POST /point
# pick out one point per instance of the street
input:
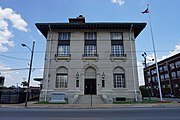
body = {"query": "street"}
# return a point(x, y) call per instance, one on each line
point(90, 114)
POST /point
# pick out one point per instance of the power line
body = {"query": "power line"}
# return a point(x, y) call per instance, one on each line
point(14, 57)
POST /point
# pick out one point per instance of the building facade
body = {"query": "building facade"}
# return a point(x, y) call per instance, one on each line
point(90, 58)
point(169, 72)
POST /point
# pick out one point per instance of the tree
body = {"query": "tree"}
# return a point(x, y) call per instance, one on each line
point(144, 91)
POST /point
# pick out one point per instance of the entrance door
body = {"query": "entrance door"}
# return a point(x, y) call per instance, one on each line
point(90, 87)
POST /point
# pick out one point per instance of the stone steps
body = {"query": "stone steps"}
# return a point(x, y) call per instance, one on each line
point(86, 99)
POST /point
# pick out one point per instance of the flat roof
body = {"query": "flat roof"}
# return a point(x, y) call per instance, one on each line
point(136, 27)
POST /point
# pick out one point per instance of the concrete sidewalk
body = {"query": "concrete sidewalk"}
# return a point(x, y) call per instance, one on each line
point(78, 106)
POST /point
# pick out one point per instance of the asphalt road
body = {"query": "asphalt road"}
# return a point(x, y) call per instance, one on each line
point(91, 114)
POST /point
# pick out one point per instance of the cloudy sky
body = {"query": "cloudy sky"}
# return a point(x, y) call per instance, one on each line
point(18, 18)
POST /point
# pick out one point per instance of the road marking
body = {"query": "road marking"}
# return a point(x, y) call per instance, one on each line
point(74, 119)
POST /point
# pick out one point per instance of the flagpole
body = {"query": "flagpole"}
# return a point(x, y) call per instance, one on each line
point(157, 69)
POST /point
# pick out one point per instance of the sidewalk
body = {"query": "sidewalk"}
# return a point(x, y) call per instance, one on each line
point(79, 106)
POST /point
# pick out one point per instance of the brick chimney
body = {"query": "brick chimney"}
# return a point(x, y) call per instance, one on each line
point(79, 19)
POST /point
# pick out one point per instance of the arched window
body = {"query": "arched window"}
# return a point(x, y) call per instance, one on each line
point(119, 77)
point(61, 77)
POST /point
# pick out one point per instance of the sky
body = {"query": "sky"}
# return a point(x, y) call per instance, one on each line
point(18, 18)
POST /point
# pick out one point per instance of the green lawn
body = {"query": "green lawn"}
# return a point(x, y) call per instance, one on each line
point(43, 102)
point(141, 102)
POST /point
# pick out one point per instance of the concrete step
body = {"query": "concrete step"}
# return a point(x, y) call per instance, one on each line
point(86, 99)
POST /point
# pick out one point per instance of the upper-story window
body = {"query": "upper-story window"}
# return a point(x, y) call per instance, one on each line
point(177, 64)
point(178, 73)
point(171, 65)
point(116, 36)
point(166, 76)
point(64, 44)
point(64, 36)
point(165, 68)
point(153, 71)
point(117, 48)
point(173, 75)
point(160, 68)
point(90, 36)
point(90, 47)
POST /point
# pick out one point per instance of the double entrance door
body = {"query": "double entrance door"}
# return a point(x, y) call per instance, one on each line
point(90, 87)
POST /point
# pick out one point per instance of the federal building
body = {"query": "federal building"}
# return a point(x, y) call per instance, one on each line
point(90, 58)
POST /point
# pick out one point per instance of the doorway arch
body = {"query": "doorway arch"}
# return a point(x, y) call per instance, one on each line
point(90, 86)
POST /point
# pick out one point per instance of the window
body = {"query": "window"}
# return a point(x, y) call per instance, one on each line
point(165, 68)
point(119, 81)
point(61, 77)
point(116, 36)
point(64, 44)
point(166, 76)
point(148, 73)
point(64, 36)
point(117, 48)
point(61, 81)
point(90, 48)
point(171, 65)
point(161, 69)
point(63, 50)
point(173, 75)
point(77, 83)
point(162, 77)
point(178, 74)
point(177, 64)
point(149, 80)
point(119, 78)
point(153, 71)
point(103, 83)
point(90, 36)
point(176, 85)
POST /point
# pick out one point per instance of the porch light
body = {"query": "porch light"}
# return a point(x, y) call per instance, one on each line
point(103, 76)
point(77, 76)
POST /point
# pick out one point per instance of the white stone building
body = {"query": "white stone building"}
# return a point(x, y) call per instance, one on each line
point(90, 58)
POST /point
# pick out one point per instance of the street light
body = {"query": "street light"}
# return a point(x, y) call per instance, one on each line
point(30, 67)
point(144, 56)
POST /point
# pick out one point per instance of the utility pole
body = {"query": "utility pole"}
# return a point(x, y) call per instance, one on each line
point(30, 68)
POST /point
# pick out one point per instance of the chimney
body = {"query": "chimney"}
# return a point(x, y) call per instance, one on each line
point(79, 19)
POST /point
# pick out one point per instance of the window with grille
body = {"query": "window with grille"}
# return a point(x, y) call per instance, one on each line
point(119, 81)
point(64, 36)
point(90, 50)
point(64, 44)
point(90, 36)
point(63, 50)
point(61, 81)
point(90, 47)
point(117, 48)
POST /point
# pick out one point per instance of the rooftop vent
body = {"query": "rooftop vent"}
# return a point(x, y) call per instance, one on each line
point(79, 19)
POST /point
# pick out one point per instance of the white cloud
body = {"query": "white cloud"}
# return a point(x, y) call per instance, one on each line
point(120, 2)
point(6, 15)
point(171, 53)
point(4, 72)
point(140, 73)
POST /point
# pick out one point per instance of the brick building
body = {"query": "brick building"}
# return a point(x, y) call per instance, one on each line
point(169, 72)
